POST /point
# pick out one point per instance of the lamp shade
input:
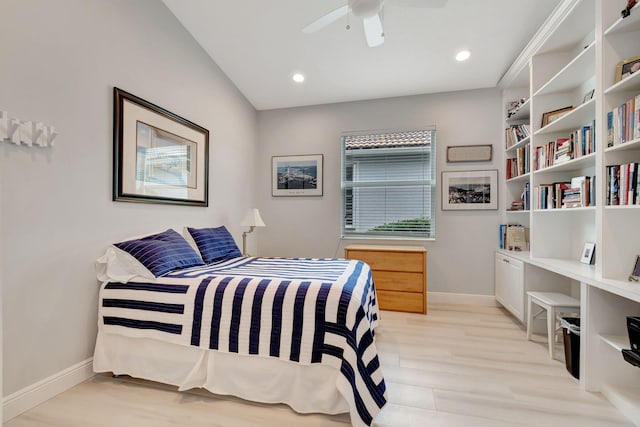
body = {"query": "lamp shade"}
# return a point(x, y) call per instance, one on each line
point(252, 219)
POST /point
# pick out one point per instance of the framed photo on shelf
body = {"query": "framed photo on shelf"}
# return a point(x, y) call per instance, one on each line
point(635, 274)
point(158, 156)
point(588, 253)
point(470, 190)
point(627, 67)
point(296, 175)
point(551, 116)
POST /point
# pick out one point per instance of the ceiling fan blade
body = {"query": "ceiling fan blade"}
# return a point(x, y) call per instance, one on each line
point(418, 3)
point(327, 19)
point(373, 30)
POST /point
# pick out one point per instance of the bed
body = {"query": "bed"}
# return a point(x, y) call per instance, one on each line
point(273, 330)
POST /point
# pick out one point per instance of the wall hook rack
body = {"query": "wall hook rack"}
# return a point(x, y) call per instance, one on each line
point(26, 132)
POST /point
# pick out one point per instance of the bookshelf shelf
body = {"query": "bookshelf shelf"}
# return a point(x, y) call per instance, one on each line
point(570, 165)
point(518, 211)
point(583, 209)
point(622, 207)
point(519, 144)
point(519, 178)
point(522, 114)
point(631, 83)
point(578, 117)
point(618, 342)
point(630, 23)
point(580, 69)
point(631, 145)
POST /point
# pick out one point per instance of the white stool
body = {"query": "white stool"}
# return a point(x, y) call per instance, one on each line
point(553, 303)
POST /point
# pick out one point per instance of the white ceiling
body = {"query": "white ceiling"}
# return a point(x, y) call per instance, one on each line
point(259, 45)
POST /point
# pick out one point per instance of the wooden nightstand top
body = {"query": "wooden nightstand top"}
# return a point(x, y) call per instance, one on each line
point(398, 248)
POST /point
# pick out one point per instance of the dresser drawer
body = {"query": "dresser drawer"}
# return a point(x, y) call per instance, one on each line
point(398, 281)
point(390, 261)
point(401, 301)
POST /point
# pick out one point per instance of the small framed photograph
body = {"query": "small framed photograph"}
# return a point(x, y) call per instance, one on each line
point(551, 116)
point(588, 96)
point(472, 190)
point(627, 67)
point(635, 274)
point(158, 156)
point(296, 175)
point(588, 253)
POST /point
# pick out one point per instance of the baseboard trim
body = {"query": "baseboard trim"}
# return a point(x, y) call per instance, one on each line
point(33, 395)
point(461, 299)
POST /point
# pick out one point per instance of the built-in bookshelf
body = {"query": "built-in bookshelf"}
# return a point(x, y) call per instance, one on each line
point(583, 148)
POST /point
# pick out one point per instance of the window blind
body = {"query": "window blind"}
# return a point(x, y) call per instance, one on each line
point(388, 184)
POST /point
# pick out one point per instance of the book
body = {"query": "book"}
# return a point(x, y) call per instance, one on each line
point(636, 115)
point(516, 239)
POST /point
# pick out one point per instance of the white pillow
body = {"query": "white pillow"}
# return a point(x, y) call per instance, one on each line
point(117, 265)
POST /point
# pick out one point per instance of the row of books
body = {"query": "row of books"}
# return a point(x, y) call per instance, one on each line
point(623, 184)
point(623, 122)
point(577, 193)
point(516, 133)
point(579, 143)
point(518, 165)
point(514, 237)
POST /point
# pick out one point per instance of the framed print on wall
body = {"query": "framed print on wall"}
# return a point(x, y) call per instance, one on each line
point(158, 156)
point(296, 175)
point(470, 190)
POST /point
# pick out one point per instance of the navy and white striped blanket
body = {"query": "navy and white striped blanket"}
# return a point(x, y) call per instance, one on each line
point(301, 310)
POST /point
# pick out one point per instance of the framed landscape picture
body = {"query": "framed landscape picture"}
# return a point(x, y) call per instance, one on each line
point(296, 175)
point(470, 190)
point(158, 157)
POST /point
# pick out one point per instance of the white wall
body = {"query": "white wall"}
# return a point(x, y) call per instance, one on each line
point(460, 260)
point(60, 61)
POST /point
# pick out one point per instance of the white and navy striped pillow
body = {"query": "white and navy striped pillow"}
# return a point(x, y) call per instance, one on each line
point(161, 253)
point(214, 244)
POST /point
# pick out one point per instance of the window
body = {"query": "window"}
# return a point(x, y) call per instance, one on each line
point(388, 184)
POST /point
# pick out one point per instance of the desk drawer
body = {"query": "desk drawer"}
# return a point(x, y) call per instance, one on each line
point(390, 261)
point(398, 281)
point(401, 301)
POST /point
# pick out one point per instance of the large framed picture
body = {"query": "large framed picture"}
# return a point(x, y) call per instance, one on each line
point(297, 175)
point(627, 67)
point(470, 190)
point(158, 156)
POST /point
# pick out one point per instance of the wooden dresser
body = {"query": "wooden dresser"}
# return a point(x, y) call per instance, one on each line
point(399, 273)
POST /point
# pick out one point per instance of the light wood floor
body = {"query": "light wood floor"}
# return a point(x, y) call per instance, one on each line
point(461, 366)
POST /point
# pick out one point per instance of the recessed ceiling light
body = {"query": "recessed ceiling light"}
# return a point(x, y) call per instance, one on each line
point(463, 55)
point(298, 78)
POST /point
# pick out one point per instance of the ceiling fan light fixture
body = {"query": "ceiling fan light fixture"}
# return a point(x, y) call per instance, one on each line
point(298, 77)
point(463, 55)
point(365, 8)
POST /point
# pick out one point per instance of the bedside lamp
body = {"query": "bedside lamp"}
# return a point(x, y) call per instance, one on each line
point(252, 220)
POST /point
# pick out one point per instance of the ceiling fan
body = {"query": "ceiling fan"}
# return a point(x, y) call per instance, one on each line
point(369, 11)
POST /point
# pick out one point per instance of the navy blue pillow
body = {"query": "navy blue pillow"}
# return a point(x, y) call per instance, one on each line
point(214, 244)
point(162, 253)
